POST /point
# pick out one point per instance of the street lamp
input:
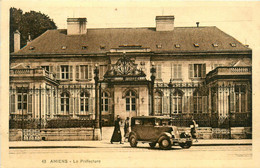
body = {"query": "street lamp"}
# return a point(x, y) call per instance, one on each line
point(170, 86)
point(97, 134)
point(153, 71)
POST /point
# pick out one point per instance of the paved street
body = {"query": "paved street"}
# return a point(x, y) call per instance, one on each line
point(92, 153)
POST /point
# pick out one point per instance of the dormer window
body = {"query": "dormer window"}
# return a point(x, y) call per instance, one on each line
point(84, 47)
point(233, 44)
point(102, 47)
point(63, 47)
point(31, 48)
point(177, 45)
point(215, 45)
point(159, 46)
point(196, 44)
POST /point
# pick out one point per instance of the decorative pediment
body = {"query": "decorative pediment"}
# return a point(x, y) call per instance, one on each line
point(124, 68)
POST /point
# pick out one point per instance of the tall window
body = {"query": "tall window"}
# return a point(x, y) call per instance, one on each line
point(22, 99)
point(64, 72)
point(65, 103)
point(176, 72)
point(240, 98)
point(84, 102)
point(158, 103)
point(197, 102)
point(130, 101)
point(177, 101)
point(102, 71)
point(158, 74)
point(197, 70)
point(84, 72)
point(104, 102)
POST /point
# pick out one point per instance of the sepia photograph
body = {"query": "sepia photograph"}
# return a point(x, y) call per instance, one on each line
point(129, 83)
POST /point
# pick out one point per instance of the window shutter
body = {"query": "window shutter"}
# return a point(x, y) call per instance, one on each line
point(179, 71)
point(30, 103)
point(175, 71)
point(58, 72)
point(159, 71)
point(190, 70)
point(90, 105)
point(192, 104)
point(71, 72)
point(204, 104)
point(71, 105)
point(77, 72)
point(165, 100)
point(232, 102)
point(203, 70)
point(77, 104)
point(59, 104)
point(12, 103)
point(110, 106)
point(51, 69)
point(90, 72)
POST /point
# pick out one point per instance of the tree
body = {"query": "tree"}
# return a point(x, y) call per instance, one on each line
point(29, 23)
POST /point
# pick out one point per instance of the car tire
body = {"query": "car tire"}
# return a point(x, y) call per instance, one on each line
point(152, 144)
point(186, 145)
point(165, 143)
point(133, 140)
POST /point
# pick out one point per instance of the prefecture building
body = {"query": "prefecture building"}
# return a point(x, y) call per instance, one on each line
point(185, 72)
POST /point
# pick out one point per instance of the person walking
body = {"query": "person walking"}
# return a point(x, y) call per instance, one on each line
point(193, 131)
point(116, 137)
point(126, 129)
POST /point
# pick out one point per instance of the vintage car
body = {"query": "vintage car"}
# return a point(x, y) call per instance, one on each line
point(157, 129)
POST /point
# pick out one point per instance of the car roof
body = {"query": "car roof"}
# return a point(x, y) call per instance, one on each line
point(152, 117)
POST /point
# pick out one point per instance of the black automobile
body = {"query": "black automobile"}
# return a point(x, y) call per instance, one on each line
point(157, 129)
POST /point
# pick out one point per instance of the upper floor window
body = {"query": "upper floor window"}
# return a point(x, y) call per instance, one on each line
point(65, 72)
point(176, 71)
point(102, 71)
point(197, 70)
point(84, 72)
point(158, 74)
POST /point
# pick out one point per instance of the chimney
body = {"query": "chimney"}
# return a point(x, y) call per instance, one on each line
point(76, 26)
point(164, 23)
point(17, 40)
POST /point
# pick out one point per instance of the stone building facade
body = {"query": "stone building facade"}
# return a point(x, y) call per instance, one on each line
point(201, 72)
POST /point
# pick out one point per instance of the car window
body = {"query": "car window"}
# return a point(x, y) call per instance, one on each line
point(138, 122)
point(148, 122)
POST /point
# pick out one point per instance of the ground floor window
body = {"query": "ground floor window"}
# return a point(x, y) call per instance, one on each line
point(104, 102)
point(130, 101)
point(197, 102)
point(177, 101)
point(65, 103)
point(158, 103)
point(84, 102)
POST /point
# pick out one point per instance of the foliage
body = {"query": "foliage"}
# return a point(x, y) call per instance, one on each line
point(29, 23)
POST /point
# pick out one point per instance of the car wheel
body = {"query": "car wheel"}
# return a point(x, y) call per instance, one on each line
point(164, 142)
point(186, 145)
point(133, 141)
point(152, 145)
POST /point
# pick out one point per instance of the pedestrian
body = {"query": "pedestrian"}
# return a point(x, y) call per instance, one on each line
point(126, 129)
point(116, 137)
point(193, 131)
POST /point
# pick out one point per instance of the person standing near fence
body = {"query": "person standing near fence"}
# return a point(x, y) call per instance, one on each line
point(116, 137)
point(193, 130)
point(126, 129)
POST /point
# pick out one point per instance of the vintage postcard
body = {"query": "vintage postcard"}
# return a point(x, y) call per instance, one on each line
point(129, 83)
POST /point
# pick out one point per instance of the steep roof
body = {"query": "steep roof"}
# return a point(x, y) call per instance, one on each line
point(52, 41)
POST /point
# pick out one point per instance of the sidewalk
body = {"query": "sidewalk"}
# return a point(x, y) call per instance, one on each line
point(107, 144)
